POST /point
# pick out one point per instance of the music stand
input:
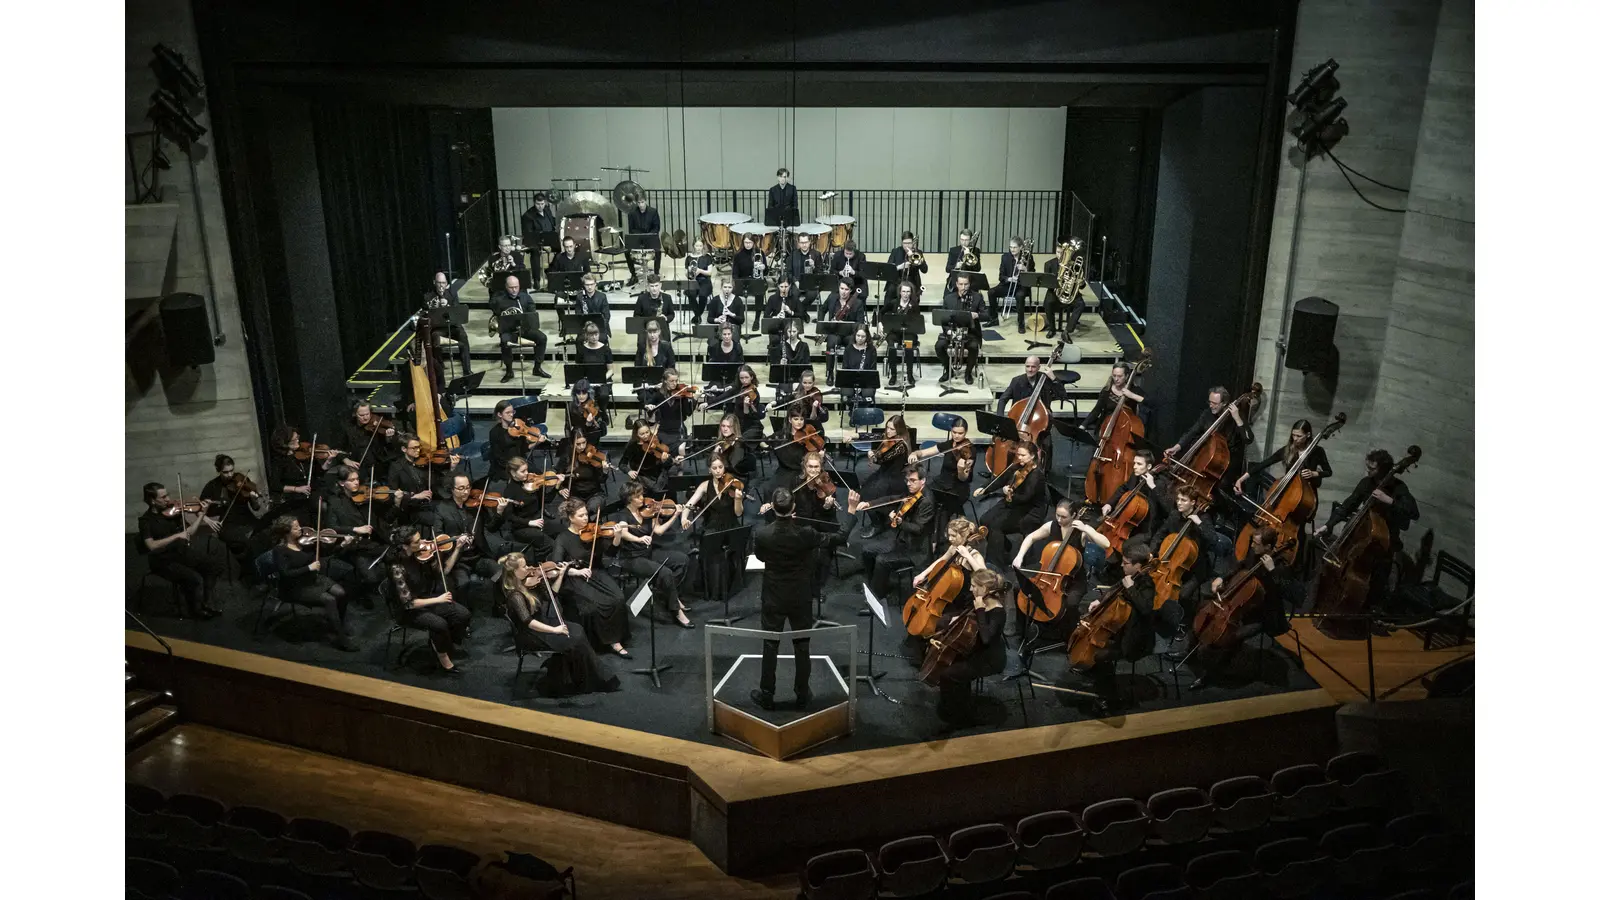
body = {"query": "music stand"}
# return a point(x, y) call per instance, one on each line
point(875, 614)
point(724, 542)
point(497, 281)
point(594, 372)
point(878, 272)
point(1026, 281)
point(641, 375)
point(641, 601)
point(564, 282)
point(789, 374)
point(442, 318)
point(977, 281)
point(638, 325)
point(859, 379)
point(719, 372)
point(750, 287)
point(962, 320)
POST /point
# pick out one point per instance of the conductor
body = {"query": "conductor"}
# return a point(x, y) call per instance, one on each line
point(788, 549)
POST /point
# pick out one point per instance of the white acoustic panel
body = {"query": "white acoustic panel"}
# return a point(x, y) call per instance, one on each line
point(750, 152)
point(1036, 145)
point(577, 143)
point(921, 147)
point(814, 165)
point(863, 150)
point(978, 142)
point(636, 136)
point(702, 141)
point(522, 147)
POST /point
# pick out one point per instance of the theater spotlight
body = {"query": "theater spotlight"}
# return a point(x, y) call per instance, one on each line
point(1321, 130)
point(173, 121)
point(174, 74)
point(1317, 87)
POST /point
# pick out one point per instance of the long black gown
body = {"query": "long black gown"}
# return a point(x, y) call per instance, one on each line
point(576, 669)
point(597, 600)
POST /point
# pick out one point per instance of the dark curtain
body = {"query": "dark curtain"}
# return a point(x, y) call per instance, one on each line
point(377, 194)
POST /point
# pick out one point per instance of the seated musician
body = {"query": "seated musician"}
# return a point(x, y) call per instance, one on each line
point(1055, 305)
point(860, 356)
point(531, 604)
point(569, 259)
point(785, 349)
point(791, 350)
point(1114, 389)
point(517, 320)
point(847, 265)
point(988, 657)
point(960, 534)
point(845, 304)
point(902, 344)
point(443, 296)
point(888, 476)
point(718, 506)
point(506, 257)
point(372, 438)
point(301, 579)
point(648, 469)
point(802, 262)
point(529, 518)
point(503, 446)
point(412, 487)
point(1395, 504)
point(970, 339)
point(169, 540)
point(953, 265)
point(726, 308)
point(1143, 481)
point(653, 350)
point(423, 600)
point(670, 408)
point(749, 262)
point(589, 590)
point(640, 553)
point(1265, 616)
point(1136, 639)
point(1023, 503)
point(240, 513)
point(913, 536)
point(1314, 469)
point(653, 302)
point(959, 457)
point(788, 450)
point(1011, 270)
point(298, 480)
point(727, 349)
point(1187, 509)
point(1232, 428)
point(698, 266)
point(644, 219)
point(811, 404)
point(1059, 527)
point(591, 302)
point(731, 446)
point(1022, 387)
point(475, 569)
point(587, 482)
point(594, 350)
point(341, 513)
point(743, 399)
point(584, 414)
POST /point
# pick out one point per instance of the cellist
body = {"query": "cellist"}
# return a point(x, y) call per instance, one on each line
point(988, 657)
point(1023, 504)
point(1137, 638)
point(1314, 469)
point(1143, 480)
point(1264, 616)
point(1232, 427)
point(963, 559)
point(1395, 504)
point(1060, 528)
point(1114, 389)
point(1188, 509)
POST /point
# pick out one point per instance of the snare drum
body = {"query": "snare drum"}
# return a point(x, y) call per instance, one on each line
point(819, 236)
point(761, 234)
point(715, 230)
point(581, 228)
point(840, 228)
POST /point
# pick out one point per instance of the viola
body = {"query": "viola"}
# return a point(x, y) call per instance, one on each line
point(1022, 475)
point(1345, 581)
point(654, 447)
point(904, 509)
point(922, 610)
point(381, 493)
point(962, 451)
point(529, 433)
point(1208, 457)
point(956, 641)
point(188, 507)
point(542, 480)
point(687, 391)
point(306, 450)
point(1031, 416)
point(824, 486)
point(881, 452)
point(439, 457)
point(653, 509)
point(727, 483)
point(601, 530)
point(1120, 435)
point(1098, 629)
point(443, 543)
point(590, 411)
point(1290, 503)
point(1217, 623)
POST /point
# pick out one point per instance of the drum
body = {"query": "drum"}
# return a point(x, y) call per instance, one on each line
point(819, 235)
point(761, 234)
point(583, 229)
point(715, 233)
point(841, 229)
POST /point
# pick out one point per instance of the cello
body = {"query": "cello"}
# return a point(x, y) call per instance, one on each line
point(926, 604)
point(1177, 556)
point(1218, 621)
point(1057, 562)
point(1031, 417)
point(1289, 504)
point(957, 640)
point(1344, 584)
point(1098, 629)
point(1208, 457)
point(1120, 434)
point(1129, 513)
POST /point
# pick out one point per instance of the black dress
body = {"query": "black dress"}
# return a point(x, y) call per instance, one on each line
point(597, 600)
point(718, 567)
point(574, 669)
point(987, 658)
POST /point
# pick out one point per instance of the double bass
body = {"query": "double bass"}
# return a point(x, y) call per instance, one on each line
point(922, 610)
point(1098, 629)
point(1345, 581)
point(1290, 503)
point(1120, 435)
point(1208, 457)
point(1217, 623)
point(1031, 417)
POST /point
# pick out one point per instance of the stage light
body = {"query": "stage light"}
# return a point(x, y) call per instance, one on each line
point(1317, 87)
point(174, 74)
point(1319, 132)
point(173, 121)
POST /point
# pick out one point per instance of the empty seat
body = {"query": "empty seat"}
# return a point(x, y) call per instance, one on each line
point(191, 820)
point(382, 860)
point(1080, 889)
point(1359, 853)
point(1049, 840)
point(840, 875)
point(442, 870)
point(1420, 841)
point(1180, 815)
point(1225, 875)
point(208, 884)
point(150, 879)
point(1157, 881)
point(1292, 867)
point(1241, 804)
point(252, 833)
point(981, 854)
point(317, 846)
point(1462, 891)
point(1366, 782)
point(141, 812)
point(1303, 792)
point(1115, 827)
point(911, 867)
point(279, 892)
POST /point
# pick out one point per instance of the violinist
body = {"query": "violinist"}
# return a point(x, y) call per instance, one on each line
point(451, 515)
point(726, 308)
point(810, 403)
point(584, 412)
point(786, 349)
point(411, 483)
point(744, 401)
point(909, 265)
point(954, 263)
point(345, 516)
point(291, 477)
point(1264, 616)
point(1059, 527)
point(168, 534)
point(727, 349)
point(517, 322)
point(988, 657)
point(1023, 503)
point(670, 406)
point(237, 505)
point(588, 589)
point(530, 598)
point(719, 507)
point(730, 445)
point(442, 296)
point(788, 548)
point(698, 267)
point(529, 519)
point(861, 356)
point(652, 350)
point(640, 553)
point(587, 465)
point(503, 446)
point(1022, 387)
point(902, 344)
point(1257, 477)
point(789, 450)
point(1114, 389)
point(1395, 504)
point(890, 458)
point(645, 463)
point(1137, 638)
point(422, 600)
point(913, 535)
point(843, 305)
point(301, 579)
point(373, 437)
point(590, 302)
point(962, 299)
point(1232, 428)
point(959, 457)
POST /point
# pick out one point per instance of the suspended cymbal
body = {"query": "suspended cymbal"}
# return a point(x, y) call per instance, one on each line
point(587, 203)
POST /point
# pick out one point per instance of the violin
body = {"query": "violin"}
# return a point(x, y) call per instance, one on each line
point(188, 507)
point(593, 456)
point(376, 424)
point(590, 411)
point(479, 497)
point(529, 433)
point(899, 515)
point(727, 483)
point(602, 530)
point(881, 452)
point(655, 447)
point(443, 543)
point(381, 493)
point(752, 396)
point(653, 509)
point(825, 487)
point(956, 641)
point(686, 391)
point(1022, 475)
point(1098, 629)
point(962, 451)
point(1345, 580)
point(439, 457)
point(306, 450)
point(1218, 622)
point(542, 480)
point(326, 536)
point(810, 438)
point(1290, 503)
point(240, 483)
point(1120, 435)
point(922, 610)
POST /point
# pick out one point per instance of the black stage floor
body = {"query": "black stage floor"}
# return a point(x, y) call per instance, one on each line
point(677, 708)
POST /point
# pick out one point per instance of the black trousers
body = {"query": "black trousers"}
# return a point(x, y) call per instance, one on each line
point(324, 593)
point(674, 567)
point(881, 568)
point(776, 618)
point(508, 339)
point(632, 265)
point(191, 571)
point(972, 342)
point(996, 295)
point(458, 333)
point(1053, 308)
point(898, 352)
point(1003, 520)
point(446, 624)
point(537, 544)
point(698, 296)
point(472, 580)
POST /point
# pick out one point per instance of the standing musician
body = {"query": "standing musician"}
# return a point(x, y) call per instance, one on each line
point(1137, 638)
point(861, 356)
point(652, 350)
point(959, 457)
point(1114, 389)
point(988, 657)
point(1021, 388)
point(726, 308)
point(963, 257)
point(890, 457)
point(422, 598)
point(1023, 504)
point(698, 266)
point(844, 305)
point(569, 259)
point(913, 536)
point(1265, 616)
point(371, 436)
point(539, 224)
point(642, 459)
point(1015, 262)
point(475, 568)
point(804, 261)
point(783, 304)
point(516, 319)
point(847, 264)
point(639, 554)
point(584, 412)
point(1397, 506)
point(503, 446)
point(236, 504)
point(590, 302)
point(901, 344)
point(1232, 428)
point(529, 519)
point(1059, 527)
point(789, 550)
point(670, 407)
point(587, 466)
point(750, 262)
point(722, 495)
point(1258, 477)
point(301, 580)
point(530, 598)
point(169, 541)
point(909, 264)
point(443, 296)
point(727, 349)
point(783, 201)
point(643, 219)
point(962, 299)
point(653, 302)
point(1054, 304)
point(588, 589)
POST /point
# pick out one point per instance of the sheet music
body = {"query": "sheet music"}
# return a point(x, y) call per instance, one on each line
point(877, 607)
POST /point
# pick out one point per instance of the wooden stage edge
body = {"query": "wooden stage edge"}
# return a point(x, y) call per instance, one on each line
point(750, 815)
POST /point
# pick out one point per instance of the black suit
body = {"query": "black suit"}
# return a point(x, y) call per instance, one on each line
point(1008, 268)
point(647, 222)
point(798, 270)
point(913, 546)
point(786, 199)
point(701, 291)
point(788, 549)
point(520, 319)
point(837, 262)
point(909, 273)
point(539, 230)
point(578, 262)
point(1021, 388)
point(971, 337)
point(952, 265)
point(434, 299)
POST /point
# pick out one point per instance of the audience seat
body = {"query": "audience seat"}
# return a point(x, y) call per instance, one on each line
point(1048, 840)
point(840, 875)
point(911, 867)
point(1241, 804)
point(1179, 816)
point(1115, 827)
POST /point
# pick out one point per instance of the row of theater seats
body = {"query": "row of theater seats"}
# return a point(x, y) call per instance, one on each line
point(189, 846)
point(1311, 831)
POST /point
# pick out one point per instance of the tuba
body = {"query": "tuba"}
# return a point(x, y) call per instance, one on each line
point(758, 265)
point(1069, 278)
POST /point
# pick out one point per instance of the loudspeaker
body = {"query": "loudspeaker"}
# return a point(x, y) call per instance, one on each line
point(1311, 335)
point(187, 331)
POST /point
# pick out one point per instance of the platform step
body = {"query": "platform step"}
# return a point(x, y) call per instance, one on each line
point(149, 724)
point(139, 700)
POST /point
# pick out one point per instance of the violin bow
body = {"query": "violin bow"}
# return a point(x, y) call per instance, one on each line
point(889, 502)
point(318, 535)
point(715, 488)
point(371, 500)
point(311, 461)
point(368, 449)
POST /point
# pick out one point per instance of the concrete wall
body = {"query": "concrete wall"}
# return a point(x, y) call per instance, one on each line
point(740, 147)
point(178, 419)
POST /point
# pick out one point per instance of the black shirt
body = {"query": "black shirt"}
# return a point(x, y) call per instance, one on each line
point(788, 549)
point(1399, 514)
point(647, 222)
point(578, 262)
point(646, 306)
point(1021, 388)
point(664, 357)
point(595, 304)
point(433, 298)
point(972, 303)
point(776, 302)
point(947, 479)
point(716, 354)
point(294, 567)
point(155, 526)
point(670, 414)
point(912, 274)
point(860, 357)
point(835, 310)
point(798, 353)
point(1103, 407)
point(521, 305)
point(952, 262)
point(734, 306)
point(1316, 461)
